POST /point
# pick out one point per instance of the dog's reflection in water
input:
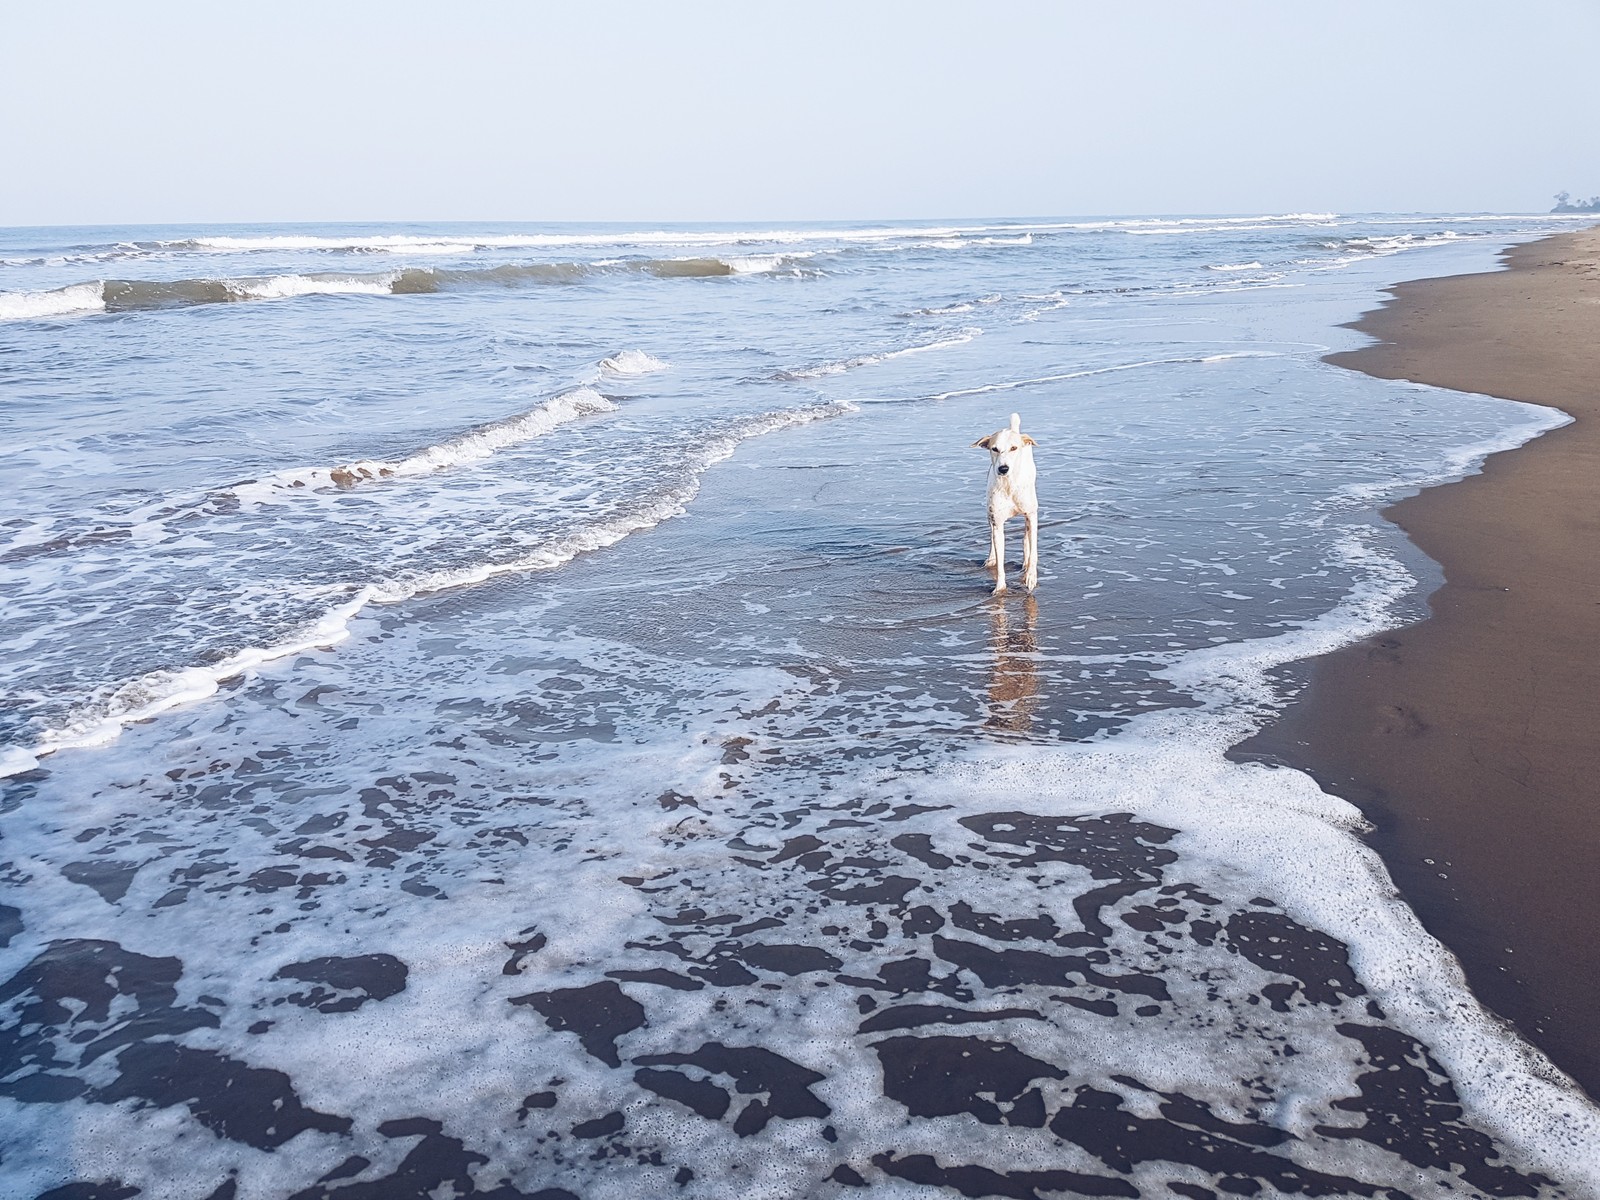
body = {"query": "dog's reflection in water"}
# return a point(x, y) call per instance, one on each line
point(1013, 677)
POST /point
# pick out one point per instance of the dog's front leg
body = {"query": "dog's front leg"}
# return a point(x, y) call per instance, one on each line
point(997, 550)
point(1030, 549)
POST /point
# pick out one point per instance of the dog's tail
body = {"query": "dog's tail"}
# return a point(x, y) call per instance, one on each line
point(1016, 423)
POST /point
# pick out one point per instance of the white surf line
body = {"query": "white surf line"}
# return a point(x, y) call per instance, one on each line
point(473, 446)
point(1011, 385)
point(960, 338)
point(73, 300)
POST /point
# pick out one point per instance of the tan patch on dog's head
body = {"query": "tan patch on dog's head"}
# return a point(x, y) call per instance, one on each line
point(1006, 441)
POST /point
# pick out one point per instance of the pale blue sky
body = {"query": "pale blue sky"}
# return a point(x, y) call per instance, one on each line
point(282, 111)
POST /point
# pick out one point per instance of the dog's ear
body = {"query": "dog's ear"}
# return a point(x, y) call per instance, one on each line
point(985, 443)
point(1028, 441)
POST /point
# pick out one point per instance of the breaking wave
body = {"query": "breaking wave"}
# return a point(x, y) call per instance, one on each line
point(960, 306)
point(1356, 249)
point(632, 362)
point(141, 295)
point(62, 302)
point(473, 446)
point(867, 360)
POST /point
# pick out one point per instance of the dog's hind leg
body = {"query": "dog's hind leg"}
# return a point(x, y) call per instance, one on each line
point(997, 550)
point(1030, 550)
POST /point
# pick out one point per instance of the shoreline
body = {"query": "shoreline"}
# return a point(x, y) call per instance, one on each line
point(1471, 739)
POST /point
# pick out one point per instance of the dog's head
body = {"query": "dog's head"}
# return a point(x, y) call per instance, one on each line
point(1007, 447)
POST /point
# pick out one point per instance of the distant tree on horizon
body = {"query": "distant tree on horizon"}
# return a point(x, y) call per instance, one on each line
point(1566, 204)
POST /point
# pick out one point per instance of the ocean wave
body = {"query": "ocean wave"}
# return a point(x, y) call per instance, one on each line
point(632, 362)
point(103, 719)
point(472, 446)
point(61, 302)
point(1009, 233)
point(1043, 303)
point(475, 445)
point(867, 360)
point(671, 501)
point(1249, 266)
point(1357, 249)
point(1393, 242)
point(764, 264)
point(710, 267)
point(78, 255)
point(960, 306)
point(1245, 220)
point(141, 295)
point(452, 243)
point(959, 242)
point(446, 244)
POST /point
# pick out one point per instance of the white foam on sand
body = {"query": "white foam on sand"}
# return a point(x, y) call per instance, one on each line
point(1268, 825)
point(451, 1045)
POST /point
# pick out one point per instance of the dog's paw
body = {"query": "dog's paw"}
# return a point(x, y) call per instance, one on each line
point(999, 589)
point(989, 562)
point(1031, 582)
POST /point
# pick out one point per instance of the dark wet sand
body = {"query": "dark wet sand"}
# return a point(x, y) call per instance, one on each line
point(1472, 739)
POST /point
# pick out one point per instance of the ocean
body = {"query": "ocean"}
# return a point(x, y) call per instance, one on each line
point(512, 710)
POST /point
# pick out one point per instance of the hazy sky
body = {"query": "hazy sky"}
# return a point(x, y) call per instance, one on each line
point(368, 110)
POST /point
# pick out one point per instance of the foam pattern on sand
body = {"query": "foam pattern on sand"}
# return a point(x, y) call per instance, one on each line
point(493, 951)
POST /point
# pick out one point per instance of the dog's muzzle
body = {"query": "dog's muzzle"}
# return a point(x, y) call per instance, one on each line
point(1001, 469)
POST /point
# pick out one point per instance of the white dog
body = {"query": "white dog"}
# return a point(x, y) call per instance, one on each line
point(1011, 494)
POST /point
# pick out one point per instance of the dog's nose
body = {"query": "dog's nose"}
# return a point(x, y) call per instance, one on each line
point(1001, 469)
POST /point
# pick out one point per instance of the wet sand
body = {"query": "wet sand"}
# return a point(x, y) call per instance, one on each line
point(1472, 739)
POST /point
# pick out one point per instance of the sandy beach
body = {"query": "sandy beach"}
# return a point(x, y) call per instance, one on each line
point(1472, 739)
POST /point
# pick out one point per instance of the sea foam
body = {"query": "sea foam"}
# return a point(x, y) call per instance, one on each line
point(470, 447)
point(74, 300)
point(632, 362)
point(102, 719)
point(866, 360)
point(1266, 823)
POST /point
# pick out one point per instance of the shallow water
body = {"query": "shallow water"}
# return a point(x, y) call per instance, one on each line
point(584, 754)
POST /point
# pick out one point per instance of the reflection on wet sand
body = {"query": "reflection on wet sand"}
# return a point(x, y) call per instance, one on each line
point(1014, 685)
